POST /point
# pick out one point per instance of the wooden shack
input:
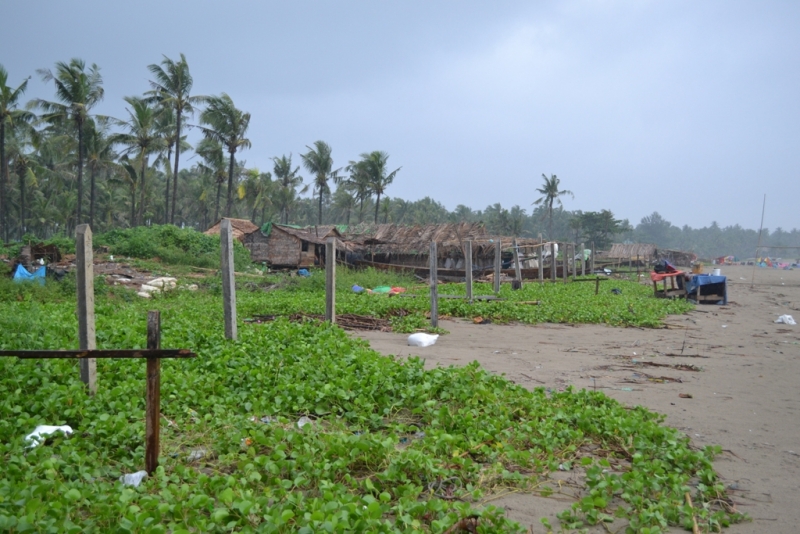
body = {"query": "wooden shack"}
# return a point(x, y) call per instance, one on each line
point(648, 254)
point(288, 246)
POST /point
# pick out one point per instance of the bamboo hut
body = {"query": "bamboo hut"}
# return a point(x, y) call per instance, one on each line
point(648, 254)
point(288, 246)
point(239, 227)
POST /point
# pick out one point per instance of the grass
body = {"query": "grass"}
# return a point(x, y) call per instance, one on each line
point(393, 447)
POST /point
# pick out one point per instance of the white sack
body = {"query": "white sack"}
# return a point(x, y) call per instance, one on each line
point(422, 340)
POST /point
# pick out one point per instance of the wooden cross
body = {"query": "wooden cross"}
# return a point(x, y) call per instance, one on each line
point(153, 354)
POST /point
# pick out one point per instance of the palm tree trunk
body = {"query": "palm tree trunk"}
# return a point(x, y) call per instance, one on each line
point(91, 197)
point(219, 192)
point(319, 218)
point(177, 157)
point(80, 173)
point(3, 180)
point(377, 205)
point(133, 204)
point(142, 192)
point(229, 206)
point(21, 172)
point(166, 196)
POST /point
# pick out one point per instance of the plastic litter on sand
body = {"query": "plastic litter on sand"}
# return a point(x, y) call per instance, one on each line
point(422, 340)
point(303, 421)
point(786, 319)
point(41, 432)
point(134, 479)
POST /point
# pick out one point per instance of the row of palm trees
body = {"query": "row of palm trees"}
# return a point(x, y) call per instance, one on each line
point(51, 145)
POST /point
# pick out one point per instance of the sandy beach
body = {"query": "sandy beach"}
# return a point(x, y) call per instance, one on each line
point(745, 396)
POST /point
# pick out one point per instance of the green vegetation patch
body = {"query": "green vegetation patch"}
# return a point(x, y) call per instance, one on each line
point(391, 447)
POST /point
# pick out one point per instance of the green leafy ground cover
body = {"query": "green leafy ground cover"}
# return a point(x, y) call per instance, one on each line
point(392, 447)
point(574, 302)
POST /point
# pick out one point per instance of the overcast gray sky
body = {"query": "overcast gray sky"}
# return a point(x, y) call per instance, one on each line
point(688, 108)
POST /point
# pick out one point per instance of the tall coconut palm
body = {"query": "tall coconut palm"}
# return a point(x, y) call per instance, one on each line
point(286, 183)
point(318, 161)
point(171, 87)
point(100, 156)
point(10, 116)
point(373, 165)
point(213, 165)
point(77, 91)
point(227, 125)
point(550, 195)
point(142, 137)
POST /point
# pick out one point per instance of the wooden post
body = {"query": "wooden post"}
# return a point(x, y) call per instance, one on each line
point(228, 281)
point(541, 260)
point(564, 262)
point(434, 265)
point(468, 267)
point(592, 257)
point(553, 264)
point(517, 271)
point(85, 276)
point(153, 399)
point(637, 267)
point(583, 260)
point(498, 265)
point(330, 280)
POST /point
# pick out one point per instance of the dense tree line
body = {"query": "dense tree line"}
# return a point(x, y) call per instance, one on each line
point(62, 164)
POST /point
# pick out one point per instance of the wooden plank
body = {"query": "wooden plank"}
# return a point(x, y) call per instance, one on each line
point(468, 267)
point(153, 398)
point(228, 281)
point(330, 280)
point(434, 286)
point(540, 274)
point(102, 353)
point(85, 282)
point(553, 263)
point(498, 265)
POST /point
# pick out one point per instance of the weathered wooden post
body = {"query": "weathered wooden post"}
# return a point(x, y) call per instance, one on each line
point(517, 271)
point(468, 267)
point(86, 331)
point(330, 280)
point(564, 260)
point(637, 267)
point(583, 259)
point(228, 280)
point(153, 399)
point(434, 265)
point(553, 264)
point(541, 260)
point(498, 265)
point(592, 257)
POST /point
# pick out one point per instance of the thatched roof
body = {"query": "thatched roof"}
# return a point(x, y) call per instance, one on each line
point(642, 250)
point(416, 240)
point(313, 234)
point(239, 227)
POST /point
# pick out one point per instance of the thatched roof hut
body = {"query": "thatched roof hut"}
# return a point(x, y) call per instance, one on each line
point(239, 227)
point(288, 246)
point(650, 253)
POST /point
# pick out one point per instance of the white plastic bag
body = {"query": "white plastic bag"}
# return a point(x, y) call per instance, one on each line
point(786, 319)
point(133, 479)
point(422, 340)
point(41, 432)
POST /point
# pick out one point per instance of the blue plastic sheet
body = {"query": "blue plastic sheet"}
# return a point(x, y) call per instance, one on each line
point(709, 285)
point(22, 274)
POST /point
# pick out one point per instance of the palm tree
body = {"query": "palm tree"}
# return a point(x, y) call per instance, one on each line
point(171, 88)
point(214, 165)
point(143, 137)
point(374, 166)
point(77, 91)
point(318, 161)
point(359, 183)
point(287, 181)
point(100, 156)
point(10, 116)
point(228, 126)
point(550, 194)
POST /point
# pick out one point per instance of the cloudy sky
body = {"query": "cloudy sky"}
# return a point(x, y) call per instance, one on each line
point(688, 108)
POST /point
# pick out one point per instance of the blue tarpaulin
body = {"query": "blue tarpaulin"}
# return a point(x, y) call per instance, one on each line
point(21, 273)
point(709, 285)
